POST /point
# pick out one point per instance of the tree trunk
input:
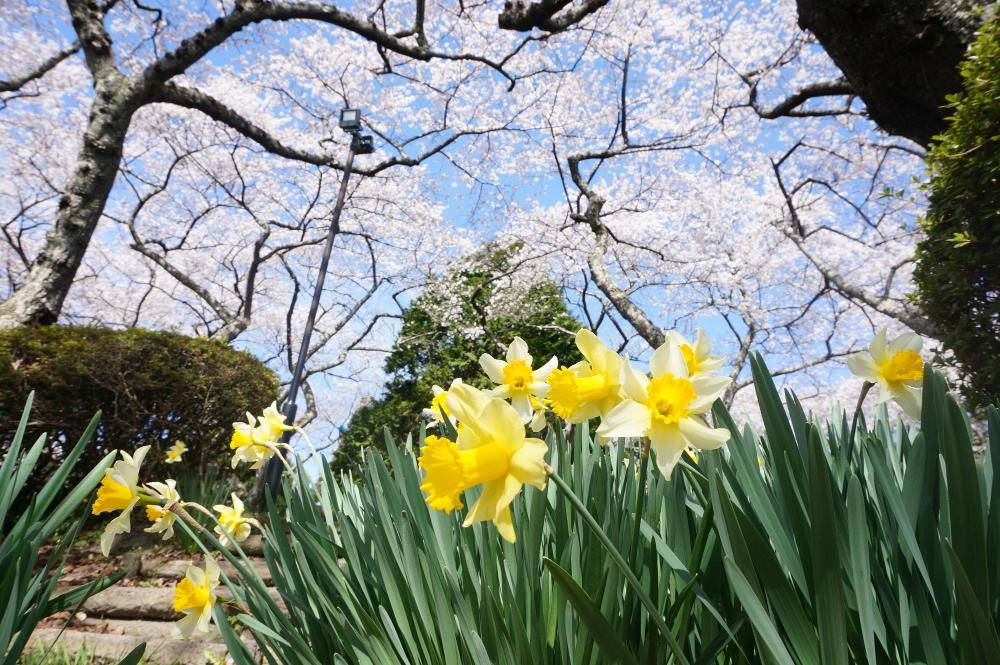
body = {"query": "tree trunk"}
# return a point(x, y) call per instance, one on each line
point(39, 298)
point(900, 56)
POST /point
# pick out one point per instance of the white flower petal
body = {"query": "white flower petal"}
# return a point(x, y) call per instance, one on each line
point(522, 404)
point(878, 348)
point(628, 419)
point(701, 436)
point(518, 350)
point(492, 367)
point(862, 365)
point(906, 342)
point(634, 383)
point(542, 373)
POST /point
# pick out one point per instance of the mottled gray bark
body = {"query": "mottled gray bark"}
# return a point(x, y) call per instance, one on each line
point(900, 56)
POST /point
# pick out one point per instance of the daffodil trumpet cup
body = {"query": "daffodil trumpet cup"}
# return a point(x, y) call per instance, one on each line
point(619, 561)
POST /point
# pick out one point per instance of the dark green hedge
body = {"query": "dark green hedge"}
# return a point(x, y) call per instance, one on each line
point(152, 388)
point(958, 264)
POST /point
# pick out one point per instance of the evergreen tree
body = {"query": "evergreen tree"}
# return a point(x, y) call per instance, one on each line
point(484, 302)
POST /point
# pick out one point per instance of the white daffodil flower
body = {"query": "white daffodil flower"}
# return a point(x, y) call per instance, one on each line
point(161, 516)
point(516, 380)
point(698, 356)
point(667, 408)
point(232, 525)
point(895, 367)
point(194, 597)
point(119, 490)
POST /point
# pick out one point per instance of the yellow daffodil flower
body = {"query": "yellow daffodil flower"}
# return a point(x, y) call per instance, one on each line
point(698, 356)
point(175, 452)
point(256, 440)
point(119, 490)
point(537, 422)
point(491, 450)
point(515, 379)
point(161, 516)
point(895, 367)
point(232, 525)
point(667, 408)
point(194, 597)
point(591, 387)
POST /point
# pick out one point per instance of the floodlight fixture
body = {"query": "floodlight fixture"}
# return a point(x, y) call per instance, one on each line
point(350, 120)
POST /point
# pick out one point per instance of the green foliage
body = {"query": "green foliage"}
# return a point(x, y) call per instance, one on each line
point(812, 554)
point(28, 582)
point(430, 352)
point(153, 387)
point(958, 264)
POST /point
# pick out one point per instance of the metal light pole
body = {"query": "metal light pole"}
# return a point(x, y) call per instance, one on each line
point(361, 144)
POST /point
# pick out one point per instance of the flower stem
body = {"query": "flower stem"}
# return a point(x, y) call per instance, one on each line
point(640, 501)
point(616, 556)
point(865, 388)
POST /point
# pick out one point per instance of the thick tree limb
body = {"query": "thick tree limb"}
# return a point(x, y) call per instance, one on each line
point(547, 15)
point(216, 110)
point(789, 107)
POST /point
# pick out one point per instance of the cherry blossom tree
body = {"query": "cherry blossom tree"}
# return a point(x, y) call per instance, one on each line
point(684, 164)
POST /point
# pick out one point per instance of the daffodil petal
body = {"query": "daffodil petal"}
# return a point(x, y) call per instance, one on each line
point(701, 436)
point(492, 367)
point(628, 419)
point(668, 443)
point(878, 349)
point(906, 342)
point(862, 365)
point(634, 383)
point(542, 373)
point(528, 463)
point(518, 350)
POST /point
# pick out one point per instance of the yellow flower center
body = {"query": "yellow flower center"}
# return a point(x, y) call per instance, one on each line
point(689, 358)
point(187, 596)
point(154, 513)
point(111, 495)
point(450, 471)
point(668, 398)
point(231, 520)
point(173, 455)
point(567, 390)
point(903, 366)
point(517, 376)
point(239, 439)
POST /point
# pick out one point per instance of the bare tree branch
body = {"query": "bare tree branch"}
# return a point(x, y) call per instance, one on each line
point(15, 83)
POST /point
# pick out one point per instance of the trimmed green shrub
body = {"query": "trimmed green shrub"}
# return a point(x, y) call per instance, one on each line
point(430, 352)
point(152, 387)
point(958, 264)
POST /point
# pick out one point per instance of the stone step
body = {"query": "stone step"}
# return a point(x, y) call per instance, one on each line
point(175, 569)
point(109, 648)
point(153, 603)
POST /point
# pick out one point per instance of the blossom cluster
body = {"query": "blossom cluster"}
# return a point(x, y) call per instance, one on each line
point(491, 446)
point(254, 442)
point(665, 409)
